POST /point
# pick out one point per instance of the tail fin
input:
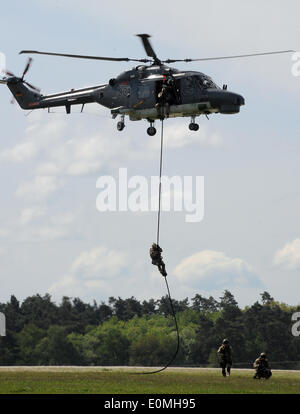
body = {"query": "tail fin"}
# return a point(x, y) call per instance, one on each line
point(25, 96)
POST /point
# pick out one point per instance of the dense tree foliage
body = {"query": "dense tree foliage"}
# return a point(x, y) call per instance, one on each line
point(130, 332)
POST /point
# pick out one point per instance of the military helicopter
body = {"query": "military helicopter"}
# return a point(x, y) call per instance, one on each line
point(149, 92)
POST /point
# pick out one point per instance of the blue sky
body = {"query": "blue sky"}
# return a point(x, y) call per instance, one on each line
point(52, 238)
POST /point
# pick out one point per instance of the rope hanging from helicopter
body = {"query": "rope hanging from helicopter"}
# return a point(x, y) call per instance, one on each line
point(155, 253)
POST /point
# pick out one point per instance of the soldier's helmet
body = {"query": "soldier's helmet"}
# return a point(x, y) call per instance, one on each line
point(225, 341)
point(263, 355)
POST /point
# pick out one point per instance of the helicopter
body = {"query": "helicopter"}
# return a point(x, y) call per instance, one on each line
point(146, 92)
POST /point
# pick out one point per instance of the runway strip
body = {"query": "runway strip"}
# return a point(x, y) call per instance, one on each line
point(119, 368)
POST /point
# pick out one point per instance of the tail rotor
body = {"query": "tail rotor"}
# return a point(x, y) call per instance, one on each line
point(11, 76)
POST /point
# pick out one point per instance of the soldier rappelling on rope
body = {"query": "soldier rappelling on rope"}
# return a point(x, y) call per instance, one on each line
point(168, 95)
point(155, 254)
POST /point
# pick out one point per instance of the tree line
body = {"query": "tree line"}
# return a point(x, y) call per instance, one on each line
point(131, 332)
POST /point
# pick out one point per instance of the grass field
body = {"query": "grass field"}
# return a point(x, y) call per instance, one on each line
point(60, 380)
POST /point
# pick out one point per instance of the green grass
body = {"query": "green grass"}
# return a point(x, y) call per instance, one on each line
point(106, 381)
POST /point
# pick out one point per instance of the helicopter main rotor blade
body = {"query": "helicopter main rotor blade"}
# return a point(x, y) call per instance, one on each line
point(85, 57)
point(147, 46)
point(228, 57)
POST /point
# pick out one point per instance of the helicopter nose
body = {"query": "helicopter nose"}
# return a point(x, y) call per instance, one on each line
point(238, 99)
point(226, 102)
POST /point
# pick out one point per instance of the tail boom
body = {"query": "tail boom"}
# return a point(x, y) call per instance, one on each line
point(29, 99)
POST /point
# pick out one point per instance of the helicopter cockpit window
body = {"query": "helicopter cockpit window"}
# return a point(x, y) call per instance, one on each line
point(205, 82)
point(141, 71)
point(188, 85)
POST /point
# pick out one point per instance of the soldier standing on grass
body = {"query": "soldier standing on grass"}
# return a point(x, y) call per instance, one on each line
point(225, 353)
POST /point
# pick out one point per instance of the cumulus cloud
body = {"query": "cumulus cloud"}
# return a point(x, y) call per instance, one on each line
point(289, 256)
point(29, 214)
point(41, 187)
point(20, 152)
point(84, 155)
point(76, 149)
point(38, 136)
point(178, 136)
point(210, 270)
point(92, 269)
point(38, 223)
point(98, 261)
point(44, 234)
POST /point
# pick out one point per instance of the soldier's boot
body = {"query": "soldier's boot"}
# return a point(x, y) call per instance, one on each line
point(158, 109)
point(223, 372)
point(162, 269)
point(167, 106)
point(228, 371)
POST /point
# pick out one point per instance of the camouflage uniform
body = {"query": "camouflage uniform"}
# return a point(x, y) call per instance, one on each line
point(262, 367)
point(225, 352)
point(155, 254)
point(163, 102)
point(165, 97)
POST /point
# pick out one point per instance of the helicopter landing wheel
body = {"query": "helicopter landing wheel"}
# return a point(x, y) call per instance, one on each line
point(120, 126)
point(193, 126)
point(151, 131)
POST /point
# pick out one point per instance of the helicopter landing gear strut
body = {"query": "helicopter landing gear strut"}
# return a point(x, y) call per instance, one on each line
point(121, 124)
point(151, 130)
point(193, 126)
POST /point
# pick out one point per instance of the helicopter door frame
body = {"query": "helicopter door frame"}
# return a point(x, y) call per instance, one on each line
point(142, 96)
point(176, 100)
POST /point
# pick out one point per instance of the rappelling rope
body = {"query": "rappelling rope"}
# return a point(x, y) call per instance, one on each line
point(160, 174)
point(165, 277)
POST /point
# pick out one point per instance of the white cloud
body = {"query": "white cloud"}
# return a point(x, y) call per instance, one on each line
point(30, 214)
point(87, 154)
point(179, 136)
point(38, 136)
point(49, 233)
point(93, 269)
point(41, 187)
point(19, 153)
point(38, 223)
point(47, 168)
point(289, 256)
point(98, 262)
point(49, 227)
point(210, 270)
